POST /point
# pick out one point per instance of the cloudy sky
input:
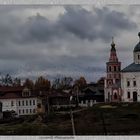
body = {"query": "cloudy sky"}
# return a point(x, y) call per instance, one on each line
point(65, 40)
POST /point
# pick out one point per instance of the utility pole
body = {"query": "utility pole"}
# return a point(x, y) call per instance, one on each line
point(76, 90)
point(103, 123)
point(72, 122)
point(71, 115)
point(48, 105)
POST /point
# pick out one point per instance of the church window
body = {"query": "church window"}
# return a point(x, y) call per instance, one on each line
point(115, 95)
point(119, 69)
point(108, 95)
point(138, 56)
point(114, 68)
point(109, 68)
point(128, 94)
point(134, 83)
point(128, 83)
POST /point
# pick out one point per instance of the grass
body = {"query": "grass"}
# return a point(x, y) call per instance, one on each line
point(118, 119)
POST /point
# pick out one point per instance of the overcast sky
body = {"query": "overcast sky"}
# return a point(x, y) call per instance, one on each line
point(65, 40)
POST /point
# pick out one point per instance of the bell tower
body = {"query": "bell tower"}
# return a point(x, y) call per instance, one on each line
point(112, 81)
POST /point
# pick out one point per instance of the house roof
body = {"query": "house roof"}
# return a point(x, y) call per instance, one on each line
point(12, 95)
point(92, 91)
point(59, 94)
point(13, 92)
point(132, 68)
point(11, 89)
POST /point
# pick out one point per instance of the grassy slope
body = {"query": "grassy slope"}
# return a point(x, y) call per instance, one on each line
point(119, 119)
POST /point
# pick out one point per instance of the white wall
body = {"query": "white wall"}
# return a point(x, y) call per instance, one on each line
point(130, 76)
point(6, 104)
point(137, 57)
point(28, 108)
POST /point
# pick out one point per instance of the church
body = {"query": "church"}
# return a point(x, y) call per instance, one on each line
point(122, 85)
point(130, 77)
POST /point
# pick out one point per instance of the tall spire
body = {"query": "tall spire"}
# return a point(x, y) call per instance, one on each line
point(113, 45)
point(112, 41)
point(113, 55)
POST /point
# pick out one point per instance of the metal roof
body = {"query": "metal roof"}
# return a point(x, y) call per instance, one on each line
point(132, 68)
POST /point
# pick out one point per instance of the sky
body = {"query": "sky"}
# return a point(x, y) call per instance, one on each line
point(55, 41)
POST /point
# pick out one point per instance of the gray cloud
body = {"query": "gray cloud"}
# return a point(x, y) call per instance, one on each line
point(76, 21)
point(66, 46)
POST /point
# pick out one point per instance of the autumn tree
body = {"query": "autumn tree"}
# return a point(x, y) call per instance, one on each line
point(29, 84)
point(81, 82)
point(42, 84)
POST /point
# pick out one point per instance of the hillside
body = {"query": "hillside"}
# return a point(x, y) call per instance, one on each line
point(102, 119)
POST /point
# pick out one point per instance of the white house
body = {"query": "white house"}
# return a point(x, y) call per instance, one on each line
point(23, 103)
point(130, 78)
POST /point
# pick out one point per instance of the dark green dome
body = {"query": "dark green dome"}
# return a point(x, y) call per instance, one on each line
point(137, 48)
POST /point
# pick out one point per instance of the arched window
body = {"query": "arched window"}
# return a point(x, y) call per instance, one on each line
point(119, 68)
point(115, 68)
point(109, 68)
point(115, 95)
point(128, 94)
point(108, 95)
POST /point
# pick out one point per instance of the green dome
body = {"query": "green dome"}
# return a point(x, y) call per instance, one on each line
point(137, 48)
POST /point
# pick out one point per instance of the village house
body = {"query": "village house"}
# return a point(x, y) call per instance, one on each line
point(93, 93)
point(19, 99)
point(60, 99)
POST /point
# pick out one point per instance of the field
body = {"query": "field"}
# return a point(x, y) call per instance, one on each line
point(101, 119)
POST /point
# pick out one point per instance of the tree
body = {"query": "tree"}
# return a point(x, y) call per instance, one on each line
point(81, 82)
point(62, 83)
point(66, 82)
point(6, 80)
point(42, 84)
point(56, 83)
point(29, 84)
point(16, 82)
